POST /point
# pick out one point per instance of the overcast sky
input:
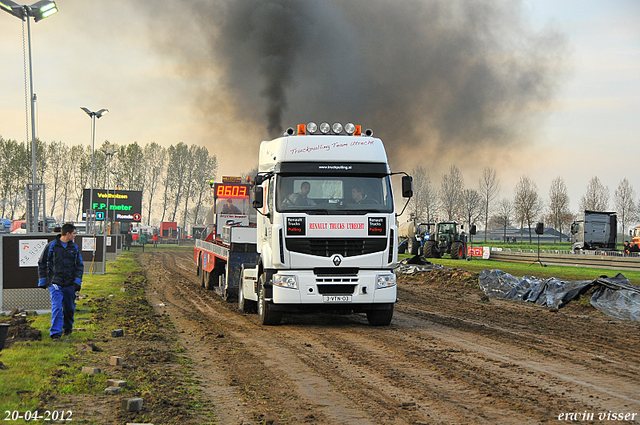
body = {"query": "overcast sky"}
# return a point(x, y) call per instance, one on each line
point(158, 74)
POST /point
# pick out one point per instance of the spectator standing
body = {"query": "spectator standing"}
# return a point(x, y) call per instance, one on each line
point(60, 270)
point(128, 239)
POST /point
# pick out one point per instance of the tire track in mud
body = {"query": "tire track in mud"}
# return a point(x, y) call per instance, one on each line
point(446, 358)
point(264, 365)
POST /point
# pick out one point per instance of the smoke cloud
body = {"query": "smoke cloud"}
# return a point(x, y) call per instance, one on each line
point(433, 78)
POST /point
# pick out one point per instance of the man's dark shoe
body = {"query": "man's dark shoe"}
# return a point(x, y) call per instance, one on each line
point(67, 331)
point(55, 338)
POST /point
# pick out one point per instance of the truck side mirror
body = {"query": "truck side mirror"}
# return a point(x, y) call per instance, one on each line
point(258, 197)
point(259, 179)
point(473, 229)
point(407, 186)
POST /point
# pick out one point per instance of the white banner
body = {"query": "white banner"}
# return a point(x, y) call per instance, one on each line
point(30, 251)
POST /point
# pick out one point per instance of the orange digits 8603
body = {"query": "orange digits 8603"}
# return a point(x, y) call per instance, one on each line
point(231, 191)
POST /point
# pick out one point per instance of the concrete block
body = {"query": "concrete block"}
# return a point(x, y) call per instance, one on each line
point(116, 383)
point(111, 297)
point(91, 370)
point(123, 289)
point(115, 361)
point(132, 404)
point(113, 390)
point(117, 333)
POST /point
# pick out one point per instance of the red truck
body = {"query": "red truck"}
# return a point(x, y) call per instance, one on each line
point(169, 230)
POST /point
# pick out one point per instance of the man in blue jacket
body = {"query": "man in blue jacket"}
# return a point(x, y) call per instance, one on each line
point(60, 270)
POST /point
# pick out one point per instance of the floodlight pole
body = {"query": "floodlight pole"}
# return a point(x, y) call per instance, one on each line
point(90, 219)
point(27, 11)
point(38, 11)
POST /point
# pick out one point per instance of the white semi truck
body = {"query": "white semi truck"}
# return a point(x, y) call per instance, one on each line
point(326, 226)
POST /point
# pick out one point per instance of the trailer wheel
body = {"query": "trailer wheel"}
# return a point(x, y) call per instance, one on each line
point(266, 314)
point(380, 317)
point(202, 278)
point(211, 279)
point(228, 295)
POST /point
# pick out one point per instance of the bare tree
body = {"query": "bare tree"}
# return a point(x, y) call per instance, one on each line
point(206, 169)
point(626, 207)
point(596, 197)
point(132, 166)
point(488, 189)
point(471, 206)
point(55, 178)
point(451, 189)
point(155, 157)
point(502, 218)
point(10, 158)
point(81, 173)
point(423, 203)
point(558, 205)
point(527, 203)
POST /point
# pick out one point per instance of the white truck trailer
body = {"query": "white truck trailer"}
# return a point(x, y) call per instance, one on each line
point(326, 226)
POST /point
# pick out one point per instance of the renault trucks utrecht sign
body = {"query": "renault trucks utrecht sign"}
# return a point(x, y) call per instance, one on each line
point(122, 205)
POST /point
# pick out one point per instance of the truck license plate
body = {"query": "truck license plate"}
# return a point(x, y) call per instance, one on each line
point(337, 298)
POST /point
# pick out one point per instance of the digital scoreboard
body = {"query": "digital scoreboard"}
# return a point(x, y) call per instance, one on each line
point(227, 190)
point(123, 205)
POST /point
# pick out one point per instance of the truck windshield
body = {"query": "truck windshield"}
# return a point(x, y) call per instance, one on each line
point(334, 194)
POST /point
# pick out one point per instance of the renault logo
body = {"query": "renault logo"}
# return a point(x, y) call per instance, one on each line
point(336, 260)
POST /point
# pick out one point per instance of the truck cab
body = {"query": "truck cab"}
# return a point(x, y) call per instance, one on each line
point(326, 229)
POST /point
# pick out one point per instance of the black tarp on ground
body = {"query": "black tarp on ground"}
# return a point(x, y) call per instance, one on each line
point(615, 296)
point(416, 264)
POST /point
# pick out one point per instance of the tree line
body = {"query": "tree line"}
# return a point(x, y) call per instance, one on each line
point(481, 205)
point(174, 181)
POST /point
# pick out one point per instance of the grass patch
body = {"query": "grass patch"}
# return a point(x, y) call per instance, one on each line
point(44, 374)
point(520, 269)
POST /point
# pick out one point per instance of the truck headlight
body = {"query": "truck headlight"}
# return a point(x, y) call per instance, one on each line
point(286, 281)
point(385, 281)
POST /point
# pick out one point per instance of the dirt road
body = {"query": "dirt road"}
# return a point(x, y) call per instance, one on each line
point(450, 356)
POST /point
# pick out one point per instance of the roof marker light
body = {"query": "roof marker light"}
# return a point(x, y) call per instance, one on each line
point(358, 131)
point(302, 130)
point(289, 131)
point(325, 128)
point(349, 128)
point(337, 128)
point(312, 127)
point(368, 132)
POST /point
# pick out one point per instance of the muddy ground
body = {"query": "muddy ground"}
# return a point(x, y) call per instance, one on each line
point(450, 356)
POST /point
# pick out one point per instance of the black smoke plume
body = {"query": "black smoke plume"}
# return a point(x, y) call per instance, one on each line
point(430, 77)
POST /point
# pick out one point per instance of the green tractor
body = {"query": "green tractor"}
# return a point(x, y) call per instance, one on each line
point(448, 239)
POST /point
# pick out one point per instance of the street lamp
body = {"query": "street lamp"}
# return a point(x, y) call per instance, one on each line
point(38, 11)
point(90, 212)
point(113, 215)
point(108, 156)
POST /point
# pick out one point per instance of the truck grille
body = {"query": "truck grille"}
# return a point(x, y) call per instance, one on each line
point(329, 247)
point(336, 289)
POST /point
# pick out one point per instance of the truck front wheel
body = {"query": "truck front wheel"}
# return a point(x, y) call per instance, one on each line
point(380, 317)
point(266, 314)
